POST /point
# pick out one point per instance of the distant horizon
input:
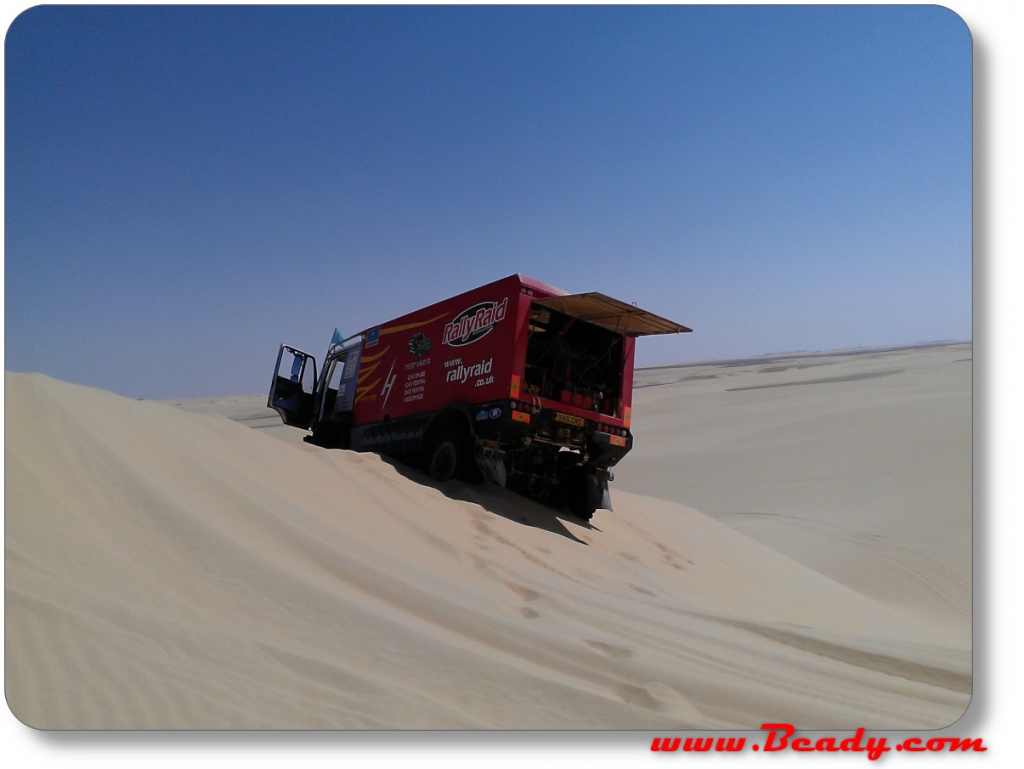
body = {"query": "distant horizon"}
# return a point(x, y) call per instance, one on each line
point(733, 359)
point(816, 353)
point(753, 359)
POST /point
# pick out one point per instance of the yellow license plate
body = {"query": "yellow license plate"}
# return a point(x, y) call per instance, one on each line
point(569, 419)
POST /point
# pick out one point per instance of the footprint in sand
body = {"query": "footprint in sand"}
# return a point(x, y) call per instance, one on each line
point(523, 592)
point(609, 649)
point(473, 561)
point(527, 595)
point(660, 697)
point(636, 695)
point(519, 611)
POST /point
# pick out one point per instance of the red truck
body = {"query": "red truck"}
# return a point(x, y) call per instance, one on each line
point(516, 382)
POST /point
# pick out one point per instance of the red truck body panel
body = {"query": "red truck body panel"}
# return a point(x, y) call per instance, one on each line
point(470, 348)
point(454, 350)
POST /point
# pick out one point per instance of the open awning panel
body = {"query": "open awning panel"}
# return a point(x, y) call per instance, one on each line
point(612, 314)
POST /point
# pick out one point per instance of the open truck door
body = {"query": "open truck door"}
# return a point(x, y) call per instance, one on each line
point(335, 396)
point(291, 391)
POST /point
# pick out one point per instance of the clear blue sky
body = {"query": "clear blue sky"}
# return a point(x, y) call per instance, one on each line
point(188, 187)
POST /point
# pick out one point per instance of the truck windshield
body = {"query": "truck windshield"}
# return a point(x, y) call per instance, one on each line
point(573, 362)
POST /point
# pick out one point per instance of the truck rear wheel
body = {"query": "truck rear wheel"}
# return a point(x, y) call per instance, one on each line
point(579, 491)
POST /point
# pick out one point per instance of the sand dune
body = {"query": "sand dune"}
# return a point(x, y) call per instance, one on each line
point(857, 464)
point(169, 566)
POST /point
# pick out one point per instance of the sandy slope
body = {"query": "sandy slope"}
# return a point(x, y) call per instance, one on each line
point(858, 465)
point(173, 569)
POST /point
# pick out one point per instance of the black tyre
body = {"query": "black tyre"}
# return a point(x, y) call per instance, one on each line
point(334, 434)
point(448, 454)
point(577, 492)
point(444, 458)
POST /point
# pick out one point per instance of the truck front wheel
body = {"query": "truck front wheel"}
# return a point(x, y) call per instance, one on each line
point(444, 460)
point(447, 456)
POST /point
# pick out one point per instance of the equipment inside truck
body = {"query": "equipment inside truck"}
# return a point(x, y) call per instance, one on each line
point(573, 361)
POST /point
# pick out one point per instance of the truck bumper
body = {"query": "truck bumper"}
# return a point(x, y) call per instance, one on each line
point(500, 428)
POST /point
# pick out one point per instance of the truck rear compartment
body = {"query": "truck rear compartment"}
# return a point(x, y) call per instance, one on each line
point(573, 362)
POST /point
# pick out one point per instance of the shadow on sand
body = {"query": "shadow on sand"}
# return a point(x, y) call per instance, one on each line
point(499, 501)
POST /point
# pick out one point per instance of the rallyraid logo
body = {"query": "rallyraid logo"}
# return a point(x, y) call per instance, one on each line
point(474, 323)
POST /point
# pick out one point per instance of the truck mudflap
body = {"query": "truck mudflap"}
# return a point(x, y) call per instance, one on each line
point(604, 495)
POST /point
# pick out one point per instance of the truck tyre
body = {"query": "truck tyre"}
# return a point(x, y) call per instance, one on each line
point(445, 456)
point(334, 434)
point(580, 492)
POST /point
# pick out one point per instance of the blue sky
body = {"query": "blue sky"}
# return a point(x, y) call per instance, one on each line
point(188, 187)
